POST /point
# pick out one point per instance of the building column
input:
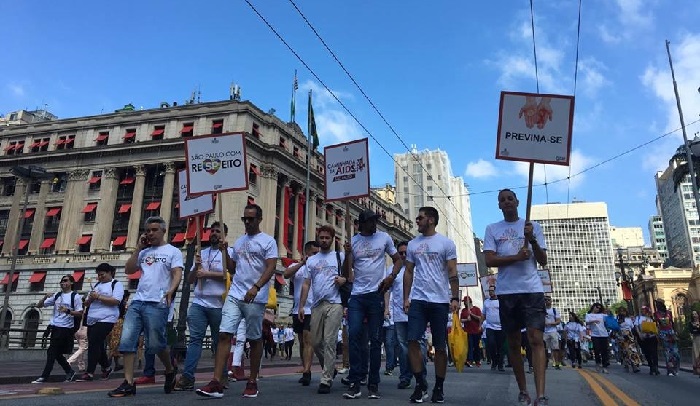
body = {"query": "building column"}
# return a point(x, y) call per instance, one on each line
point(310, 230)
point(104, 218)
point(73, 203)
point(136, 208)
point(267, 196)
point(166, 204)
point(281, 215)
point(14, 220)
point(37, 237)
point(295, 237)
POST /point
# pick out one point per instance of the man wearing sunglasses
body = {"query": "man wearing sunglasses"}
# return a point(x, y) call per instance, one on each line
point(254, 259)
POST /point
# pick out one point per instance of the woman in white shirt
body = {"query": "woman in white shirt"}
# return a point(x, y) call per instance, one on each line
point(628, 345)
point(574, 333)
point(595, 321)
point(648, 341)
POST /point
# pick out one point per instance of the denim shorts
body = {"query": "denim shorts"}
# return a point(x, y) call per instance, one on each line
point(420, 313)
point(148, 318)
point(234, 310)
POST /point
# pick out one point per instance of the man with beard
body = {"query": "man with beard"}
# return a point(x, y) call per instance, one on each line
point(367, 267)
point(323, 278)
point(255, 256)
point(208, 276)
point(430, 277)
point(515, 246)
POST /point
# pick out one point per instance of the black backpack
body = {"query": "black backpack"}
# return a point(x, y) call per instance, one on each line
point(76, 319)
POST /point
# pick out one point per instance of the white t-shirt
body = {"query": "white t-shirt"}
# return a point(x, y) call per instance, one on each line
point(209, 292)
point(627, 325)
point(369, 262)
point(322, 269)
point(275, 334)
point(250, 254)
point(288, 334)
point(430, 275)
point(60, 319)
point(100, 312)
point(396, 298)
point(155, 264)
point(638, 323)
point(506, 239)
point(551, 317)
point(574, 331)
point(299, 278)
point(596, 322)
point(492, 317)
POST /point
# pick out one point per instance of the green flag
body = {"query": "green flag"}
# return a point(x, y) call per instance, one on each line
point(312, 125)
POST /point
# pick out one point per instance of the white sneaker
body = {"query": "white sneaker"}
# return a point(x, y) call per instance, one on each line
point(39, 380)
point(343, 371)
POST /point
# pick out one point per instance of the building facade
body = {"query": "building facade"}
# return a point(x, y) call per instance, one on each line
point(623, 237)
point(681, 223)
point(110, 172)
point(424, 178)
point(580, 254)
point(658, 237)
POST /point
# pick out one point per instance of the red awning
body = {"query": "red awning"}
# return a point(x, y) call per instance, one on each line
point(22, 244)
point(255, 169)
point(7, 278)
point(35, 144)
point(28, 213)
point(78, 276)
point(134, 275)
point(94, 179)
point(178, 237)
point(102, 137)
point(217, 125)
point(53, 212)
point(37, 277)
point(19, 146)
point(69, 140)
point(158, 131)
point(43, 143)
point(129, 134)
point(187, 128)
point(60, 142)
point(153, 206)
point(124, 208)
point(121, 240)
point(84, 239)
point(48, 242)
point(205, 235)
point(10, 147)
point(280, 279)
point(127, 181)
point(89, 208)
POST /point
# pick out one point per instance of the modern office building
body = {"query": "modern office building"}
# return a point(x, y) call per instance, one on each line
point(658, 237)
point(424, 178)
point(623, 237)
point(580, 253)
point(108, 173)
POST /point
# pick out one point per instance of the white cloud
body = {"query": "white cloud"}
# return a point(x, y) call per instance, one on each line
point(657, 79)
point(591, 76)
point(480, 169)
point(333, 123)
point(554, 173)
point(16, 89)
point(633, 16)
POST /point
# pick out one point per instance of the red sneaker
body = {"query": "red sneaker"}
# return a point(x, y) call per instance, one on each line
point(145, 380)
point(239, 374)
point(251, 390)
point(212, 390)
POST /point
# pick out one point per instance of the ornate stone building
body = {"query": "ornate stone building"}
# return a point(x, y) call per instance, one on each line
point(110, 172)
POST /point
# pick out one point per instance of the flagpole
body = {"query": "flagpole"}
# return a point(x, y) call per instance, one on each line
point(294, 96)
point(309, 155)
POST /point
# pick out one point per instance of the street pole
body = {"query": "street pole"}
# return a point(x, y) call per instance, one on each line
point(600, 295)
point(27, 174)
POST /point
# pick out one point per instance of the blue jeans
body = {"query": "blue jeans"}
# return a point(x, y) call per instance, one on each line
point(474, 353)
point(149, 364)
point(198, 318)
point(389, 347)
point(149, 318)
point(368, 306)
point(401, 331)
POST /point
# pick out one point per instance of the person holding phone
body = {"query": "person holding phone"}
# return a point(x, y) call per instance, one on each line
point(161, 267)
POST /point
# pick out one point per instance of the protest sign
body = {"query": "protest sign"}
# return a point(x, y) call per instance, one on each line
point(347, 170)
point(191, 206)
point(216, 163)
point(467, 274)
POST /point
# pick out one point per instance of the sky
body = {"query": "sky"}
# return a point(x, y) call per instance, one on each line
point(433, 70)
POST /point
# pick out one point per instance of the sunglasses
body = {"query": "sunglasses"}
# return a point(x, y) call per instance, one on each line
point(402, 252)
point(65, 280)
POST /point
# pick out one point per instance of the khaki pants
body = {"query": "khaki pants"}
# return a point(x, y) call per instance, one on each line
point(325, 324)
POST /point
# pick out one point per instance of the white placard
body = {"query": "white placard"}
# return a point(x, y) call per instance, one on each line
point(216, 163)
point(191, 206)
point(486, 282)
point(347, 170)
point(535, 128)
point(467, 274)
point(546, 279)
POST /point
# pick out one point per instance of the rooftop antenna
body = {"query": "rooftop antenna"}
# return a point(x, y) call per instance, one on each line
point(199, 93)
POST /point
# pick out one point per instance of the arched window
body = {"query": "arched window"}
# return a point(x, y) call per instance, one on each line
point(8, 320)
point(31, 327)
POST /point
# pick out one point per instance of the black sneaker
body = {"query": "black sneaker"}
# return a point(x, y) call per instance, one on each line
point(123, 390)
point(70, 376)
point(354, 392)
point(306, 379)
point(323, 389)
point(363, 382)
point(438, 396)
point(169, 382)
point(373, 392)
point(420, 393)
point(404, 385)
point(106, 373)
point(345, 381)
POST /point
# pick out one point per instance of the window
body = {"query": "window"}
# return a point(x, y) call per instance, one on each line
point(15, 148)
point(256, 130)
point(130, 136)
point(84, 243)
point(8, 186)
point(36, 281)
point(35, 187)
point(59, 182)
point(13, 284)
point(405, 178)
point(95, 181)
point(430, 198)
point(53, 217)
point(65, 142)
point(158, 132)
point(283, 143)
point(102, 138)
point(253, 174)
point(4, 218)
point(430, 188)
point(40, 145)
point(89, 212)
point(295, 152)
point(217, 126)
point(187, 130)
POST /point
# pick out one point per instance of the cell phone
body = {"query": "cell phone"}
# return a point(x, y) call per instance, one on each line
point(144, 241)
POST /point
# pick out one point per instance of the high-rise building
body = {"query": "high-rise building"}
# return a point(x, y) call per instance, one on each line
point(424, 178)
point(579, 251)
point(676, 206)
point(658, 237)
point(624, 237)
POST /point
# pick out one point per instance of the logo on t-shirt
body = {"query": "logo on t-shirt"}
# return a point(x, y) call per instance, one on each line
point(423, 249)
point(511, 239)
point(151, 259)
point(364, 250)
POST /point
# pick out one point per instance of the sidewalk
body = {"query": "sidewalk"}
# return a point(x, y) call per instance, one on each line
point(14, 372)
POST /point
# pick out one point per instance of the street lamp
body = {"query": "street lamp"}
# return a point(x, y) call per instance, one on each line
point(600, 294)
point(29, 174)
point(626, 281)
